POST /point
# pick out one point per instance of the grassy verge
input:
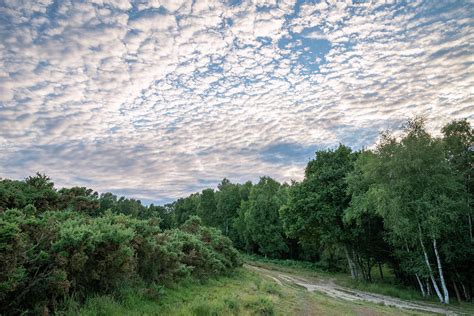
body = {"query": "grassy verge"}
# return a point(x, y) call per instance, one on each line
point(243, 292)
point(240, 293)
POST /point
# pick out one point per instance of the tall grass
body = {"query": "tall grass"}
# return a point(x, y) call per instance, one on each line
point(238, 293)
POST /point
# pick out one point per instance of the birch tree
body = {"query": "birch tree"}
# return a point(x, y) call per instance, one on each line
point(418, 195)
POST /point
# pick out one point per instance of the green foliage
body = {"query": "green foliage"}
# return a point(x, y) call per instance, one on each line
point(207, 207)
point(46, 257)
point(316, 205)
point(232, 294)
point(184, 208)
point(366, 225)
point(458, 140)
point(36, 190)
point(315, 209)
point(79, 199)
point(421, 198)
point(228, 203)
point(261, 221)
point(406, 205)
point(297, 264)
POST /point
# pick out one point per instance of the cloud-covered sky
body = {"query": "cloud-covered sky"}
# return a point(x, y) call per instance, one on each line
point(158, 99)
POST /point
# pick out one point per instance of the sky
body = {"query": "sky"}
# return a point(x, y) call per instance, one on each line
point(158, 99)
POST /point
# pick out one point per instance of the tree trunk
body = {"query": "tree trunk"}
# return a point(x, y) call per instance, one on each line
point(470, 226)
point(427, 261)
point(369, 269)
point(464, 290)
point(470, 291)
point(416, 275)
point(381, 272)
point(350, 263)
point(428, 287)
point(441, 275)
point(459, 280)
point(421, 285)
point(359, 269)
point(457, 291)
point(359, 265)
point(363, 268)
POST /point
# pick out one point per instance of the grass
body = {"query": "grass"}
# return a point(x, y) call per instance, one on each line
point(288, 263)
point(243, 292)
point(246, 292)
point(240, 293)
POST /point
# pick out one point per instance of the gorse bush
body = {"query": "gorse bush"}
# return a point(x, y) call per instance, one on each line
point(47, 256)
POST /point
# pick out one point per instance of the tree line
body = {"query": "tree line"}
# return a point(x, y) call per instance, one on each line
point(406, 204)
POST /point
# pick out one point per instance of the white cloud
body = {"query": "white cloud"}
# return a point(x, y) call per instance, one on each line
point(153, 23)
point(160, 97)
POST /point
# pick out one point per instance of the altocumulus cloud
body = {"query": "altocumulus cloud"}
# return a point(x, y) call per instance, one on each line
point(156, 99)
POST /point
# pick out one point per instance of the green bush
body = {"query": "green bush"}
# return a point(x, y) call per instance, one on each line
point(47, 257)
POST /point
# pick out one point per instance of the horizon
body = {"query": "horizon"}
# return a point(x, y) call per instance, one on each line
point(158, 100)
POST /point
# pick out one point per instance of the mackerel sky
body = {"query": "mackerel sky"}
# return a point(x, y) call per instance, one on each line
point(158, 99)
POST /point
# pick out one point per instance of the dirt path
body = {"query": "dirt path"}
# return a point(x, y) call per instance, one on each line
point(335, 291)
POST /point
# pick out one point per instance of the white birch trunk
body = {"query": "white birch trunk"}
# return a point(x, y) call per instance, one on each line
point(458, 296)
point(422, 288)
point(428, 287)
point(350, 263)
point(464, 291)
point(427, 261)
point(441, 275)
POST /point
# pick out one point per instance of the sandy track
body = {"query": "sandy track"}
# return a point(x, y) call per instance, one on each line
point(331, 289)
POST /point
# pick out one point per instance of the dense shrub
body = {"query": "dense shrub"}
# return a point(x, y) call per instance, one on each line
point(223, 254)
point(46, 257)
